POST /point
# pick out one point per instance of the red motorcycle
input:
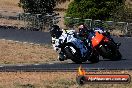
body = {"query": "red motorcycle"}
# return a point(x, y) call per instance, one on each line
point(104, 46)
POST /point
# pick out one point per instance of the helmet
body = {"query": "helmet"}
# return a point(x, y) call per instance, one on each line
point(54, 30)
point(82, 29)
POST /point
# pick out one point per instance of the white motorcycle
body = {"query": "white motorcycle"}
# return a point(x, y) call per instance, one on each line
point(68, 46)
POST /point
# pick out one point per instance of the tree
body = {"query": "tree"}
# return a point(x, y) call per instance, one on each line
point(37, 6)
point(123, 13)
point(93, 9)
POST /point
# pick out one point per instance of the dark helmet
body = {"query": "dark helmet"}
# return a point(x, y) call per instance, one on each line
point(55, 31)
point(82, 29)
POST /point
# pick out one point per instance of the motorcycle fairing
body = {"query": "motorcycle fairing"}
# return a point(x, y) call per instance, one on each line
point(97, 39)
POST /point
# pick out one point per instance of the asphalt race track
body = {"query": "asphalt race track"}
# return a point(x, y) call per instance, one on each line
point(25, 36)
point(44, 38)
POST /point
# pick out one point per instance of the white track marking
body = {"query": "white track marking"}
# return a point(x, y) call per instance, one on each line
point(31, 43)
point(3, 39)
point(25, 42)
point(50, 63)
point(37, 44)
point(17, 41)
point(36, 64)
point(10, 40)
point(20, 65)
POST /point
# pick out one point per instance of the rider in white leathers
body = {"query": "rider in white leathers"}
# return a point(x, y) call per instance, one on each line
point(60, 36)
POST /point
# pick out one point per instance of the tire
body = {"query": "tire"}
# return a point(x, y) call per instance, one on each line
point(76, 57)
point(116, 56)
point(112, 54)
point(81, 80)
point(94, 58)
point(61, 57)
point(104, 52)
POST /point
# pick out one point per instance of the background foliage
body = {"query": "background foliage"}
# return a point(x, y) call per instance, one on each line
point(123, 13)
point(93, 9)
point(37, 6)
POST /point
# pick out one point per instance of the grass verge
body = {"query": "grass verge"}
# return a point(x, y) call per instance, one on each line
point(53, 80)
point(19, 53)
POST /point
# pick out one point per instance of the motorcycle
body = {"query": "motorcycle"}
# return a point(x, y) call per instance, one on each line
point(104, 45)
point(70, 47)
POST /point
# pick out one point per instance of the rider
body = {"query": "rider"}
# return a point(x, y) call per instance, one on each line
point(84, 34)
point(58, 37)
point(56, 32)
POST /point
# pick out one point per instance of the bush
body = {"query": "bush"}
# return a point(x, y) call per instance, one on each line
point(123, 13)
point(37, 6)
point(92, 9)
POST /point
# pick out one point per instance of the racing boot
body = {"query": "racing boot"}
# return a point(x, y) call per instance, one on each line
point(61, 56)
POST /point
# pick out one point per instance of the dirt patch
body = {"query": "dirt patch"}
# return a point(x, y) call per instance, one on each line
point(18, 53)
point(10, 5)
point(117, 33)
point(10, 8)
point(9, 22)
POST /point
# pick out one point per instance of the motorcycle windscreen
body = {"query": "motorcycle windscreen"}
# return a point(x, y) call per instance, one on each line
point(97, 39)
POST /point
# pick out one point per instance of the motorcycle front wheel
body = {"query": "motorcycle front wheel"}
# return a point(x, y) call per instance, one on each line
point(76, 57)
point(111, 52)
point(94, 58)
point(116, 55)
